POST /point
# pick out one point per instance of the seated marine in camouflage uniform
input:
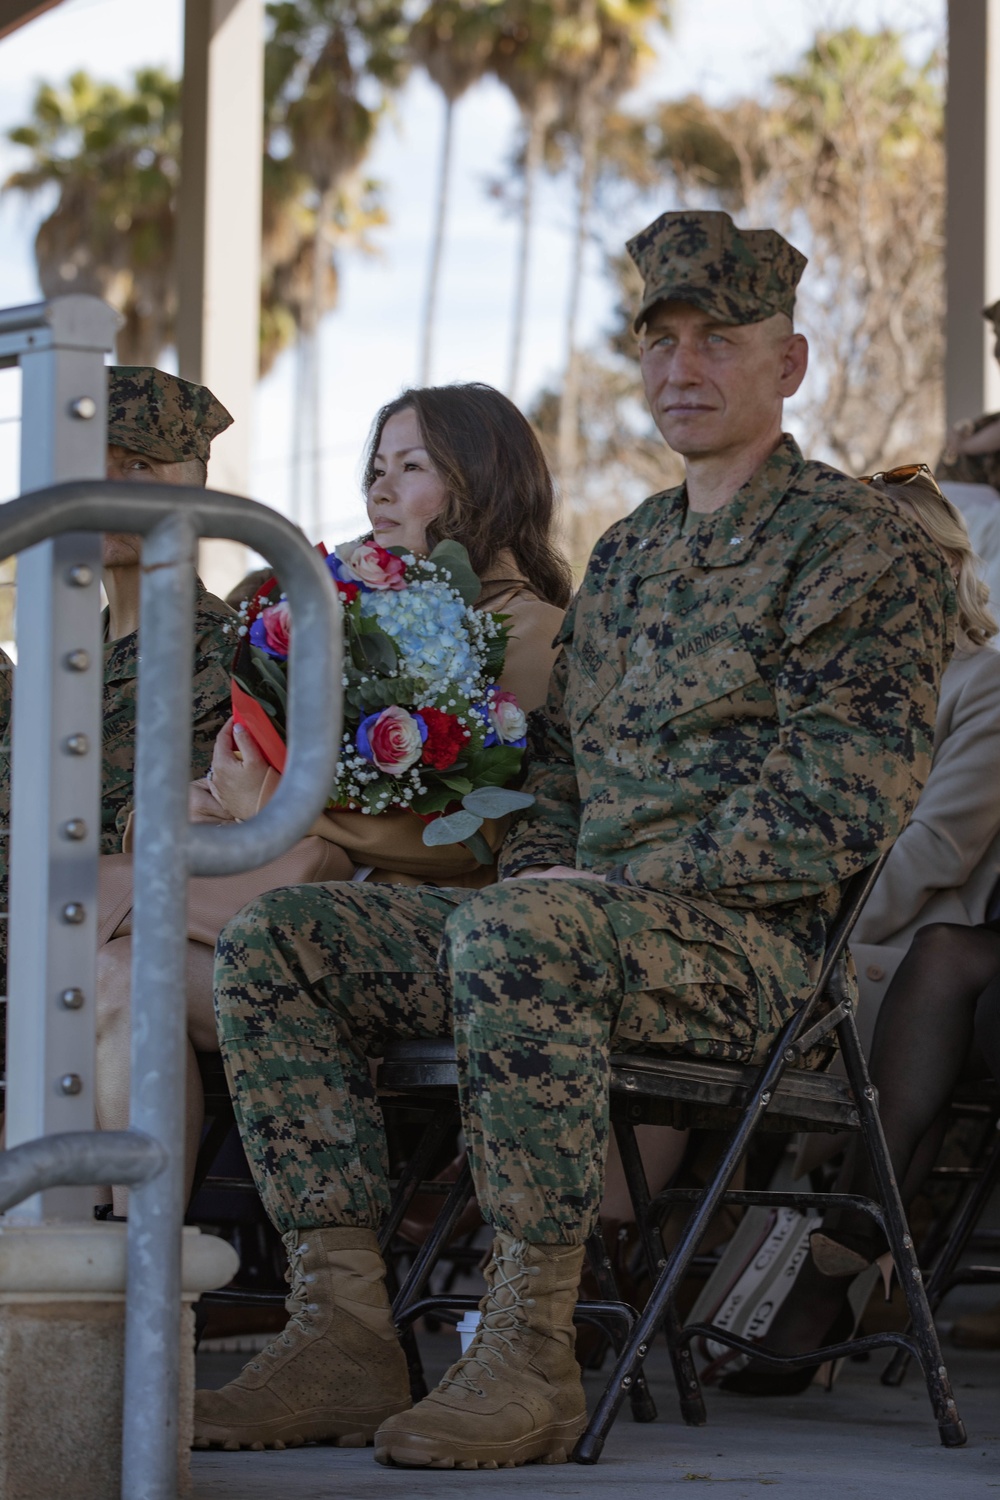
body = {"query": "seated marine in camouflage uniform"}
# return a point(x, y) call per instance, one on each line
point(972, 452)
point(741, 718)
point(160, 429)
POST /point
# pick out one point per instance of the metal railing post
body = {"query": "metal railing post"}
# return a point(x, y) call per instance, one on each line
point(149, 1156)
point(159, 1029)
point(56, 741)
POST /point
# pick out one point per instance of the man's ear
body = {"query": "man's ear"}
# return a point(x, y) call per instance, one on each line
point(794, 363)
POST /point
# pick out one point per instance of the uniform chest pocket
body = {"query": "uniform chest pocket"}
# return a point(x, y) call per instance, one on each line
point(708, 689)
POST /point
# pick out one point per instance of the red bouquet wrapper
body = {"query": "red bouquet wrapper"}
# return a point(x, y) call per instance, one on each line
point(255, 720)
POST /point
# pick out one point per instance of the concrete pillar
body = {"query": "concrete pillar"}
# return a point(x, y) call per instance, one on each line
point(219, 236)
point(62, 1337)
point(972, 379)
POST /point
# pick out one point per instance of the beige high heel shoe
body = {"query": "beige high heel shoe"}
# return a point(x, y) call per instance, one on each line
point(833, 1258)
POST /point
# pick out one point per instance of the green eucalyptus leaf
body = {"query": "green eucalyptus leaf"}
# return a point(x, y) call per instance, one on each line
point(454, 829)
point(478, 846)
point(453, 556)
point(496, 801)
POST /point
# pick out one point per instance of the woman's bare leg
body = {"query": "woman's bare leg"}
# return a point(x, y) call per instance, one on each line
point(114, 973)
point(662, 1150)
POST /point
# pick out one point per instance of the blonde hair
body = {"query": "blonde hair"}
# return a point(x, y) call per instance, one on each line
point(946, 527)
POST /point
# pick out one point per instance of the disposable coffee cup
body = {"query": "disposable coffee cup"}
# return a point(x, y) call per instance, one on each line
point(467, 1329)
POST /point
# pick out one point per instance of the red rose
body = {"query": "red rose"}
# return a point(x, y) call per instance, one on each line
point(445, 739)
point(348, 592)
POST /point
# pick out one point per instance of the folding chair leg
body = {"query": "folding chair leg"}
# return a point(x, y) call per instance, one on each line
point(460, 1194)
point(689, 1393)
point(588, 1450)
point(643, 1406)
point(415, 1172)
point(939, 1282)
point(950, 1426)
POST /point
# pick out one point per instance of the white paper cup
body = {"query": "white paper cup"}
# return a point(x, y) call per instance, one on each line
point(466, 1329)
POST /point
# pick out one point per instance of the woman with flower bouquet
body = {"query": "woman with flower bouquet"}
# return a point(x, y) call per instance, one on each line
point(435, 691)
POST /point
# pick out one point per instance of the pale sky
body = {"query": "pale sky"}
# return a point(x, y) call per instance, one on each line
point(369, 344)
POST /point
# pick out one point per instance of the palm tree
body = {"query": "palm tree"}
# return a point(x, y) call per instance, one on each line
point(113, 154)
point(525, 60)
point(452, 41)
point(322, 54)
point(611, 46)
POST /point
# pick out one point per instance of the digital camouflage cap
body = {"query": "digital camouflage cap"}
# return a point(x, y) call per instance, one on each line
point(162, 416)
point(992, 314)
point(736, 275)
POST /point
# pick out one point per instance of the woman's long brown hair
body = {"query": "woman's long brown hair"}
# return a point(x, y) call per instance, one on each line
point(500, 494)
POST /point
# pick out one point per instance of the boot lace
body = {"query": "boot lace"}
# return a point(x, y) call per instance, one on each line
point(495, 1336)
point(296, 1302)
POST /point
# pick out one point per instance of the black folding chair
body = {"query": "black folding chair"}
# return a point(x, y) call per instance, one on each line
point(779, 1094)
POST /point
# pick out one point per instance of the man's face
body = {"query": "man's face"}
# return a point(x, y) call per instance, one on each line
point(122, 548)
point(715, 388)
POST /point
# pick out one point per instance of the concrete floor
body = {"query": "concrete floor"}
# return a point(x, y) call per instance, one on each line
point(861, 1439)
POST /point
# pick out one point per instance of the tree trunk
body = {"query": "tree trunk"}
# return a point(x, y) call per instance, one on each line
point(568, 448)
point(437, 244)
point(535, 145)
point(315, 394)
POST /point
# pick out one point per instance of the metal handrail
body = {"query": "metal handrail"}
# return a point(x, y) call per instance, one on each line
point(167, 850)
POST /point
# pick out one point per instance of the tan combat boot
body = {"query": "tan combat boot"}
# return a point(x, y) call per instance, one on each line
point(335, 1372)
point(516, 1396)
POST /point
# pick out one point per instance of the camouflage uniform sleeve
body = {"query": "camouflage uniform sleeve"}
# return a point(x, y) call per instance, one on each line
point(547, 833)
point(856, 696)
point(210, 695)
point(211, 687)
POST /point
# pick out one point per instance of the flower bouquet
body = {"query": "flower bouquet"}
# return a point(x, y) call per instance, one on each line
point(426, 727)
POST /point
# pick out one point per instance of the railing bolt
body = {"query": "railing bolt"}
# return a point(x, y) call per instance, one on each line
point(869, 1092)
point(942, 1371)
point(765, 1098)
point(74, 912)
point(643, 1348)
point(77, 661)
point(627, 1381)
point(915, 1273)
point(71, 1083)
point(84, 408)
point(80, 575)
point(76, 744)
point(789, 1054)
point(75, 828)
point(907, 1242)
point(72, 999)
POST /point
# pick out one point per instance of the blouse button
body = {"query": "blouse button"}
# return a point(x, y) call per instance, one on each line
point(875, 972)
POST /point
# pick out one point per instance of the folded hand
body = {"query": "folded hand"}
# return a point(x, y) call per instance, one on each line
point(238, 771)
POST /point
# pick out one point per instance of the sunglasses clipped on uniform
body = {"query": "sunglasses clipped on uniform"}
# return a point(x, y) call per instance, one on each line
point(905, 474)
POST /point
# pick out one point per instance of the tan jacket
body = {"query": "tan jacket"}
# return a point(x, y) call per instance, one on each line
point(946, 861)
point(392, 844)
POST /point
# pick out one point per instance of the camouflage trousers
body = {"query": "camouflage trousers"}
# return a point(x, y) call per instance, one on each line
point(534, 979)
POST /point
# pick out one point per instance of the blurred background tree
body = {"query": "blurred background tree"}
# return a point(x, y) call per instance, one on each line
point(843, 153)
point(112, 156)
point(845, 156)
point(452, 41)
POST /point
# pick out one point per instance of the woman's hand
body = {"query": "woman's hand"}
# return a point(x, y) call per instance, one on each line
point(203, 807)
point(238, 771)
